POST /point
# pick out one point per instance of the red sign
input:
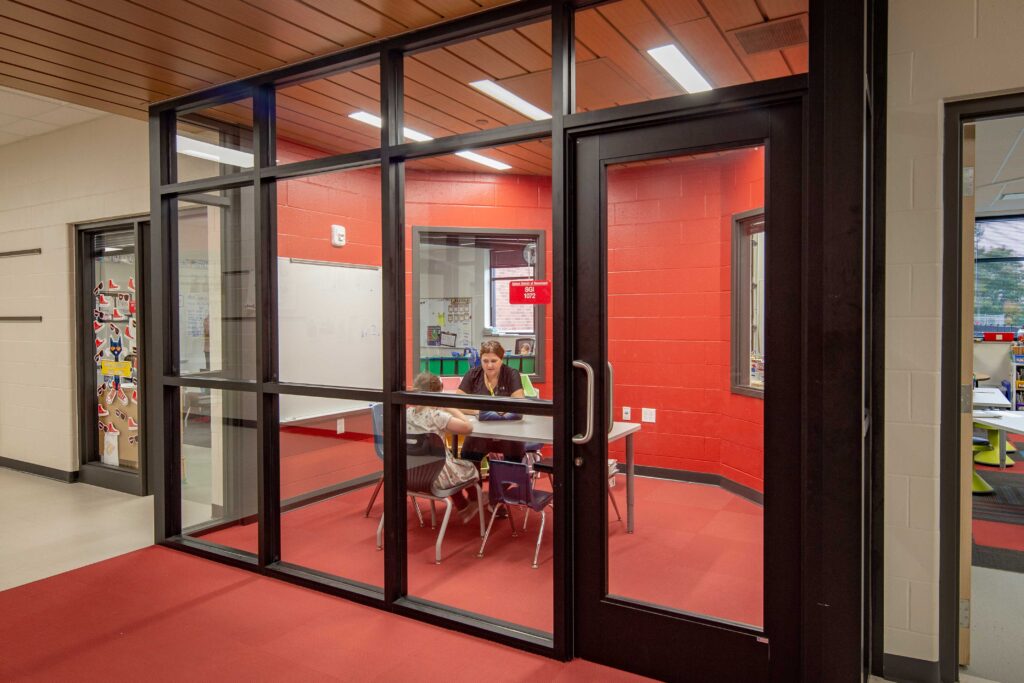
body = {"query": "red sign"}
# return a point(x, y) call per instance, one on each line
point(529, 292)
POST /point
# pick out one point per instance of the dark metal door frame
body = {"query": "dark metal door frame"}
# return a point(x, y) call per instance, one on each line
point(645, 638)
point(90, 470)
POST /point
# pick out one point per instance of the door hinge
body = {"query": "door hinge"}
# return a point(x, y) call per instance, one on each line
point(965, 614)
point(966, 398)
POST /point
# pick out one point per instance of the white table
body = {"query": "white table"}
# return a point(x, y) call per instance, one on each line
point(1003, 422)
point(990, 397)
point(343, 408)
point(538, 429)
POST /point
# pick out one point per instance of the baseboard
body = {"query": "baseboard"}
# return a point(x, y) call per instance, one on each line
point(910, 670)
point(729, 485)
point(39, 470)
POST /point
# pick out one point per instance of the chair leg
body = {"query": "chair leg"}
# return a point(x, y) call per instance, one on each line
point(615, 505)
point(487, 534)
point(512, 521)
point(526, 517)
point(433, 515)
point(416, 506)
point(444, 527)
point(373, 498)
point(480, 507)
point(536, 553)
point(380, 534)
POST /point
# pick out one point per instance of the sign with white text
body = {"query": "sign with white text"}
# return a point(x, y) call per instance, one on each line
point(529, 292)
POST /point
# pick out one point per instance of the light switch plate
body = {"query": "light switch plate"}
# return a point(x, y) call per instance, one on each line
point(647, 414)
point(341, 425)
point(338, 235)
point(627, 414)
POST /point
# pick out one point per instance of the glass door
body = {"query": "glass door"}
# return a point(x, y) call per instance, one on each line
point(687, 489)
point(110, 424)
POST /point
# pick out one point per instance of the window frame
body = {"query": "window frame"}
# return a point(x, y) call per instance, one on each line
point(993, 259)
point(739, 339)
point(539, 269)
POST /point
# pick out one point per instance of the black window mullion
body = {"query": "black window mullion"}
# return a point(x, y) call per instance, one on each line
point(393, 338)
point(267, 451)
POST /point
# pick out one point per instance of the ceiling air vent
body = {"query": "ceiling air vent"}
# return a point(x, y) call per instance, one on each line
point(772, 35)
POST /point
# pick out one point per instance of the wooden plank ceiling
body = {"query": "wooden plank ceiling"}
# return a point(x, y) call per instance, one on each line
point(121, 55)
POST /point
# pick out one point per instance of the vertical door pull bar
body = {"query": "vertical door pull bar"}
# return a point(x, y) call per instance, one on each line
point(611, 397)
point(581, 439)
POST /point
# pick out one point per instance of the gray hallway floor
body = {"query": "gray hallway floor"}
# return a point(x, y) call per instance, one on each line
point(48, 527)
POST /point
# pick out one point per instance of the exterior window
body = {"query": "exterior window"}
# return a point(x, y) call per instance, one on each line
point(998, 275)
point(748, 250)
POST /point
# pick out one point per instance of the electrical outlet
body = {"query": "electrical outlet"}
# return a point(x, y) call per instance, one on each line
point(341, 425)
point(647, 414)
point(338, 235)
point(627, 414)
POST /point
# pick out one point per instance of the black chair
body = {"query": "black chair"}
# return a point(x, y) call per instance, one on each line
point(424, 459)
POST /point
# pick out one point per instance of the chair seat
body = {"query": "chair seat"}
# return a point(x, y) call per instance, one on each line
point(540, 500)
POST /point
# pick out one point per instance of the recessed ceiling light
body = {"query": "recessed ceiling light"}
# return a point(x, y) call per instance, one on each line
point(1011, 197)
point(672, 60)
point(486, 161)
point(211, 152)
point(511, 100)
point(416, 136)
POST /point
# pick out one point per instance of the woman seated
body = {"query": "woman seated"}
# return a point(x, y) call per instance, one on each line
point(443, 421)
point(492, 378)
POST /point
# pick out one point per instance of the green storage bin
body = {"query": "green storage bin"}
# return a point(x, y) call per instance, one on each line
point(528, 365)
point(434, 365)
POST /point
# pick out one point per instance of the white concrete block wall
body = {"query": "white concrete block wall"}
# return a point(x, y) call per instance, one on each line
point(939, 50)
point(91, 171)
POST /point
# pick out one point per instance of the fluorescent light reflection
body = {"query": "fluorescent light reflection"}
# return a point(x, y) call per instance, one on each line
point(672, 60)
point(1011, 196)
point(417, 136)
point(511, 100)
point(211, 152)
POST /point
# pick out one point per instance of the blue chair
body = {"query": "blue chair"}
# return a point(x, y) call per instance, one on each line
point(511, 485)
point(377, 412)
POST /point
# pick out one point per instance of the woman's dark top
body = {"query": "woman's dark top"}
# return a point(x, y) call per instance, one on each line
point(508, 382)
point(475, 448)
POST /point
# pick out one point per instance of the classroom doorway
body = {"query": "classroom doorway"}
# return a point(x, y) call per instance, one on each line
point(686, 240)
point(982, 524)
point(109, 317)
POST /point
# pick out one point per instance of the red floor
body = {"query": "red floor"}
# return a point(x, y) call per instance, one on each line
point(696, 548)
point(162, 615)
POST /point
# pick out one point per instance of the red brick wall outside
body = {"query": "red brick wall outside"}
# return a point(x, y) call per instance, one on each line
point(669, 262)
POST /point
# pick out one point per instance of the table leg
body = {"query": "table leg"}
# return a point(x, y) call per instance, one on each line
point(1002, 449)
point(629, 483)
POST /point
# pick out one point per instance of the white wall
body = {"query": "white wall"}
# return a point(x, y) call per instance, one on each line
point(939, 50)
point(91, 171)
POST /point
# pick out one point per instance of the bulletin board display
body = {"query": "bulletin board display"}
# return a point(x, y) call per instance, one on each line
point(447, 322)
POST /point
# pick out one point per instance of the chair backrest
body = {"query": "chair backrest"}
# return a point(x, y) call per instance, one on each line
point(529, 391)
point(425, 456)
point(377, 412)
point(510, 482)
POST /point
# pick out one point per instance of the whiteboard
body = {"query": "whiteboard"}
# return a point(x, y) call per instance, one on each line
point(330, 317)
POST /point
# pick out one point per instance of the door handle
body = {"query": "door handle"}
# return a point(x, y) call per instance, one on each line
point(611, 397)
point(580, 439)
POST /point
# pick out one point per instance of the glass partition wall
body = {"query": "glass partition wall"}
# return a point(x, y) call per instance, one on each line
point(342, 247)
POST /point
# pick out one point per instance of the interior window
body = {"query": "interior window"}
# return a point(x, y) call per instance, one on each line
point(998, 276)
point(748, 251)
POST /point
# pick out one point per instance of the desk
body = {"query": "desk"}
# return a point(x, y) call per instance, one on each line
point(1002, 422)
point(345, 408)
point(538, 429)
point(990, 397)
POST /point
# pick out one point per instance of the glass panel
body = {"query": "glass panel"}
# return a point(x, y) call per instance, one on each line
point(331, 466)
point(115, 336)
point(748, 252)
point(477, 241)
point(215, 141)
point(314, 119)
point(697, 548)
point(998, 274)
point(329, 279)
point(511, 460)
point(489, 82)
point(216, 284)
point(218, 467)
point(639, 50)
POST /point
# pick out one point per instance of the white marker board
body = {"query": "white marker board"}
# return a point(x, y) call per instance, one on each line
point(330, 331)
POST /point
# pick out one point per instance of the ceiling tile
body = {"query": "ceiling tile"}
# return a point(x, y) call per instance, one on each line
point(68, 116)
point(28, 127)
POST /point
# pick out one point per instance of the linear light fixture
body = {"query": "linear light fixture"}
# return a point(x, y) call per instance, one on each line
point(1011, 196)
point(673, 61)
point(510, 99)
point(211, 152)
point(417, 136)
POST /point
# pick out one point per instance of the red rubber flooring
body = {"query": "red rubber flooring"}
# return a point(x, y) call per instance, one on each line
point(162, 615)
point(696, 548)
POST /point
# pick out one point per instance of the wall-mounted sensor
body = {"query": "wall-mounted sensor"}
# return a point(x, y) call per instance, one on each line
point(338, 235)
